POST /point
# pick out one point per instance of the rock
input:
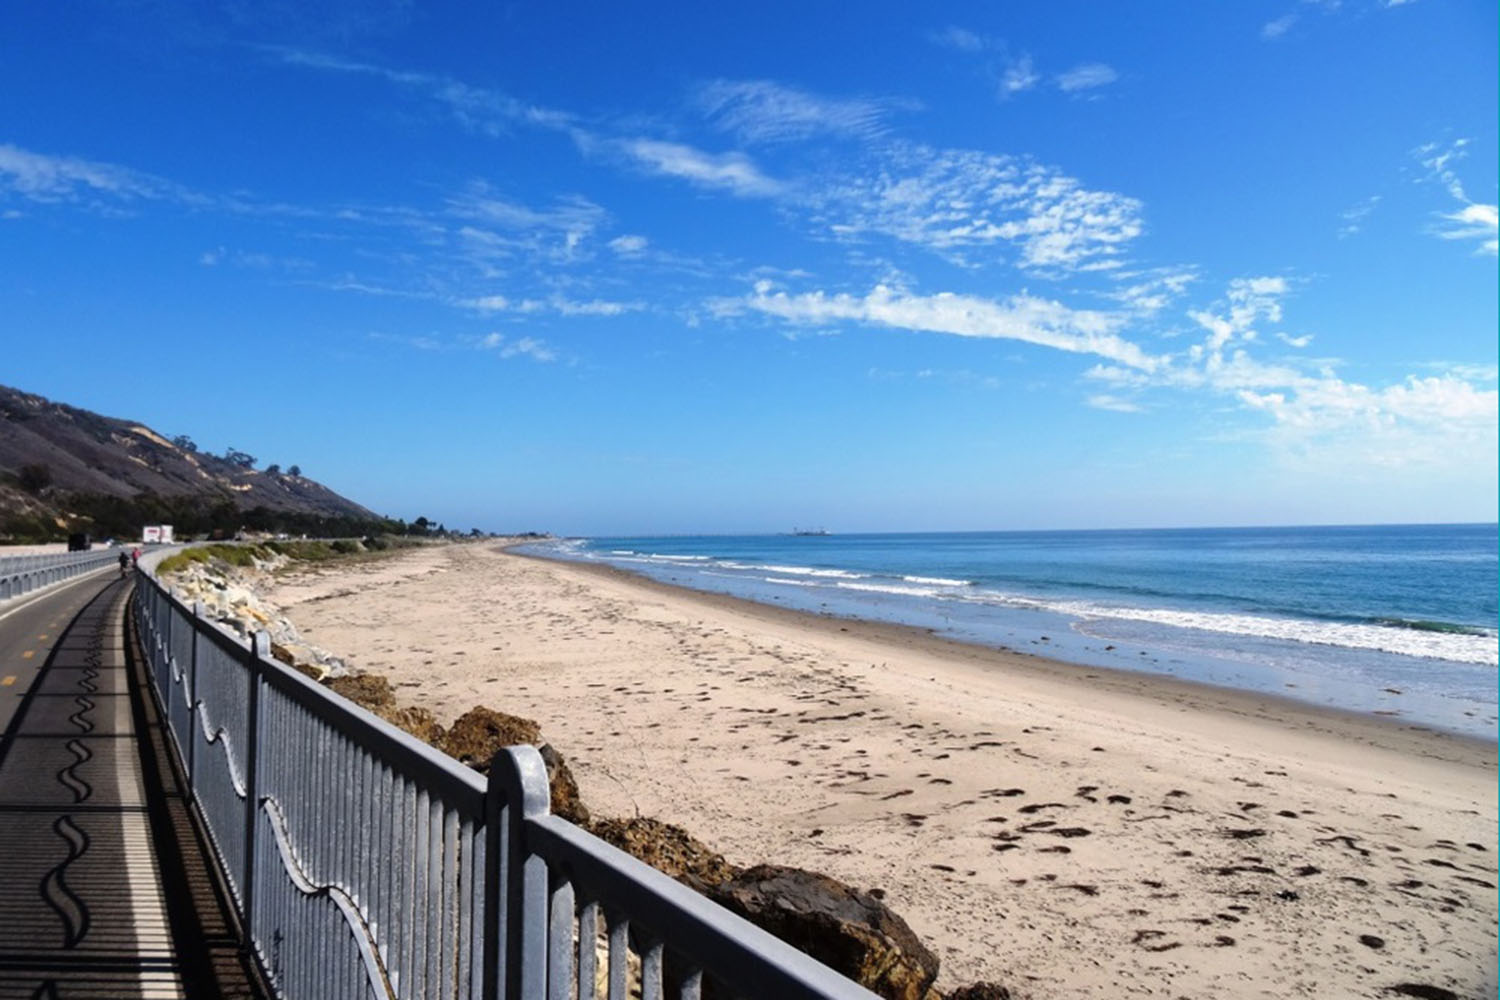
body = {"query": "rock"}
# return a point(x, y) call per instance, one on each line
point(310, 670)
point(667, 848)
point(373, 693)
point(842, 927)
point(565, 799)
point(369, 691)
point(980, 991)
point(481, 731)
point(417, 721)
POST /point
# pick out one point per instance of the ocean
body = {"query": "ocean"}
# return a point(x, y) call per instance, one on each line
point(1396, 620)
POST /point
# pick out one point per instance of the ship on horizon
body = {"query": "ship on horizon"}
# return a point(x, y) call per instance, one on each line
point(806, 532)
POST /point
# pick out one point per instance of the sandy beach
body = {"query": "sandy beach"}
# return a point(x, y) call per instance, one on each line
point(1064, 831)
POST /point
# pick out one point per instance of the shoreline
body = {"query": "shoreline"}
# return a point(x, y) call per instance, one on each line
point(1262, 705)
point(1062, 830)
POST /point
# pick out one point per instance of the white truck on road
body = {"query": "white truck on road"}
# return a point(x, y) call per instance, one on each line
point(157, 534)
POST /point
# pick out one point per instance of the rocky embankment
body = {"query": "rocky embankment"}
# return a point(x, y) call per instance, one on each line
point(232, 599)
point(844, 927)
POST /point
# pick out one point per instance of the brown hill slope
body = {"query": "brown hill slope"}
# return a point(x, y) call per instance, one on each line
point(92, 460)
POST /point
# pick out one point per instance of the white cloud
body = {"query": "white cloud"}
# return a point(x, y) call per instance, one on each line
point(489, 112)
point(1280, 26)
point(1441, 419)
point(1021, 317)
point(1475, 220)
point(954, 37)
point(628, 246)
point(1020, 75)
point(570, 215)
point(523, 347)
point(1151, 291)
point(553, 304)
point(734, 172)
point(1086, 77)
point(760, 111)
point(1355, 215)
point(46, 178)
point(1105, 401)
point(949, 200)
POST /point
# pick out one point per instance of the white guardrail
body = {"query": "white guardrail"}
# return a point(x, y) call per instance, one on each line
point(23, 574)
point(365, 864)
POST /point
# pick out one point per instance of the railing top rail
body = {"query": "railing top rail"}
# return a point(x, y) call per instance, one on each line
point(711, 936)
point(457, 785)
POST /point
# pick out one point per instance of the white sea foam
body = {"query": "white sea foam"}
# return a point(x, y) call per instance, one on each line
point(839, 574)
point(791, 583)
point(670, 558)
point(1382, 638)
point(877, 588)
point(937, 581)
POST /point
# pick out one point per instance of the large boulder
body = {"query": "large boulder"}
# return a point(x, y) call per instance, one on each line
point(846, 929)
point(480, 732)
point(667, 848)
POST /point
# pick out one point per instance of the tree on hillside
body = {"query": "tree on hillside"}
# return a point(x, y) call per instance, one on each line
point(273, 470)
point(295, 470)
point(185, 443)
point(244, 460)
point(35, 478)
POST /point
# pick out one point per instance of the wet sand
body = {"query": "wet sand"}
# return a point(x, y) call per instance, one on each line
point(1065, 831)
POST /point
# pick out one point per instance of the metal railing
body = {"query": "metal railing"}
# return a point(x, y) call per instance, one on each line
point(23, 574)
point(366, 864)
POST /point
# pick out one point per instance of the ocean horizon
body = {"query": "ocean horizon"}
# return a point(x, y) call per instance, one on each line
point(1394, 620)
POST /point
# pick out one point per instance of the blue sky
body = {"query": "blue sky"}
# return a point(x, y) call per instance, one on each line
point(626, 269)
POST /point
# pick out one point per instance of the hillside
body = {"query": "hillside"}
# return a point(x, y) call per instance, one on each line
point(65, 468)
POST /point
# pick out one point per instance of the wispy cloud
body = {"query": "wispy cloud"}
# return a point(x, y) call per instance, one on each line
point(1473, 221)
point(1272, 30)
point(1354, 216)
point(1022, 317)
point(954, 37)
point(1439, 418)
point(1150, 291)
point(949, 200)
point(762, 111)
point(479, 109)
point(629, 245)
point(558, 304)
point(521, 347)
point(1020, 75)
point(1105, 401)
point(48, 178)
point(1086, 77)
point(733, 172)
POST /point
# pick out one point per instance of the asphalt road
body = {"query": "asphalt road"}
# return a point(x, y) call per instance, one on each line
point(28, 627)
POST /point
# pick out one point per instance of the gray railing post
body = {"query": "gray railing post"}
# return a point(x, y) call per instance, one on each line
point(515, 898)
point(192, 694)
point(260, 646)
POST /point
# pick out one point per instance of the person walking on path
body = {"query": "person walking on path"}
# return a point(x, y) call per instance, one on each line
point(124, 564)
point(135, 558)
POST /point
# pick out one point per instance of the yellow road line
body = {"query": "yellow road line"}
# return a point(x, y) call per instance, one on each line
point(8, 681)
point(28, 654)
point(41, 637)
